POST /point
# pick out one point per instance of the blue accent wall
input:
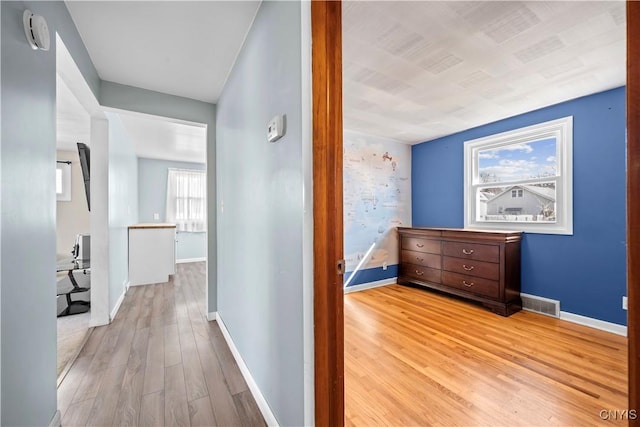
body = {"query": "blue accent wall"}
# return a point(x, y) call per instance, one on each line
point(585, 271)
point(152, 198)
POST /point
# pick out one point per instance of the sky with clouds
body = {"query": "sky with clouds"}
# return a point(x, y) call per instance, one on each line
point(519, 161)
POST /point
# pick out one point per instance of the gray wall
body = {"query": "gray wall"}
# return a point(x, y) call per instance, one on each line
point(152, 198)
point(261, 209)
point(145, 101)
point(27, 220)
point(123, 204)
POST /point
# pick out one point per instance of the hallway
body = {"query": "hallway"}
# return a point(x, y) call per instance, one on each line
point(160, 362)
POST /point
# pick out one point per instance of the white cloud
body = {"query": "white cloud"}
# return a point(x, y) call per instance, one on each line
point(516, 147)
point(495, 153)
point(551, 159)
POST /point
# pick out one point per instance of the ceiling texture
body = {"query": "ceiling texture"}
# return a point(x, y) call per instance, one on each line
point(412, 71)
point(415, 71)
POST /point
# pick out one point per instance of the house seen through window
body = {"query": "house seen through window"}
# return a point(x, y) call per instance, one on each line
point(521, 179)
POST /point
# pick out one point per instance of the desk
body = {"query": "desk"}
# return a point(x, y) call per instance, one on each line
point(69, 285)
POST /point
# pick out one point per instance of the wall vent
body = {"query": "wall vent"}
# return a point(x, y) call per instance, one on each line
point(541, 305)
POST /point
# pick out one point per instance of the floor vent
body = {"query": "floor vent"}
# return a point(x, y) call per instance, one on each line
point(541, 305)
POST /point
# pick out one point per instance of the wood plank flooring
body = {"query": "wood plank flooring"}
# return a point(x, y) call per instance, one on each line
point(159, 363)
point(414, 357)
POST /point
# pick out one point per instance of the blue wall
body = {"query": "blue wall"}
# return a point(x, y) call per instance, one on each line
point(586, 271)
point(27, 217)
point(160, 104)
point(152, 198)
point(262, 208)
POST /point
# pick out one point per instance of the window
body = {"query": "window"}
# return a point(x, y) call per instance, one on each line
point(521, 179)
point(187, 199)
point(63, 181)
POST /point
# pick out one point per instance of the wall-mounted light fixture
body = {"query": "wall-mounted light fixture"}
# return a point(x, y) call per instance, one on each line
point(36, 30)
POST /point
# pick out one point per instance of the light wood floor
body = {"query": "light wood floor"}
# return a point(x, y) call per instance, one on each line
point(158, 363)
point(413, 358)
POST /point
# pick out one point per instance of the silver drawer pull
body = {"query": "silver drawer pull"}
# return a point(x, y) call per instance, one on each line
point(419, 245)
point(419, 273)
point(419, 259)
point(468, 285)
point(468, 267)
point(467, 251)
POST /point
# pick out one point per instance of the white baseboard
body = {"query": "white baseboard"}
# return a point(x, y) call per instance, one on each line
point(56, 421)
point(186, 260)
point(371, 285)
point(118, 303)
point(212, 316)
point(269, 418)
point(594, 323)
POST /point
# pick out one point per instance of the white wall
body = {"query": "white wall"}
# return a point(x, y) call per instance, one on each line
point(123, 204)
point(27, 219)
point(262, 238)
point(72, 217)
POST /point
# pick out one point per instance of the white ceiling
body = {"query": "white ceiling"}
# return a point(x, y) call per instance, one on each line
point(160, 138)
point(415, 71)
point(183, 48)
point(72, 120)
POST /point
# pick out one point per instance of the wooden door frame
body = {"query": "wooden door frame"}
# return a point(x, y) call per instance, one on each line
point(326, 36)
point(326, 66)
point(633, 205)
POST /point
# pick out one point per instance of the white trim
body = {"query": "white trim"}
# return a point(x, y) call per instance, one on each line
point(56, 421)
point(560, 129)
point(213, 315)
point(306, 125)
point(71, 75)
point(371, 285)
point(269, 418)
point(614, 328)
point(186, 260)
point(119, 302)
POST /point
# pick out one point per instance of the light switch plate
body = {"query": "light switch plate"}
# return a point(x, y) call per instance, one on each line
point(156, 216)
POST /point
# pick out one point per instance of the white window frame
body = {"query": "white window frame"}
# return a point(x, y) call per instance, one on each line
point(560, 129)
point(64, 169)
point(187, 221)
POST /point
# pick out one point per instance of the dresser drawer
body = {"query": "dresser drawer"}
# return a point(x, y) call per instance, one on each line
point(421, 258)
point(421, 245)
point(470, 267)
point(477, 285)
point(475, 251)
point(420, 273)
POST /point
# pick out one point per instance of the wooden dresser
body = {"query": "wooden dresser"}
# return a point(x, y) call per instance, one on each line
point(480, 265)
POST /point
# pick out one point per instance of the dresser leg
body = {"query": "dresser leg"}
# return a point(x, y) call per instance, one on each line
point(506, 309)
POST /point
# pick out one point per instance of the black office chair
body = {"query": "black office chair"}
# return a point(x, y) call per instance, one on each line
point(69, 285)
